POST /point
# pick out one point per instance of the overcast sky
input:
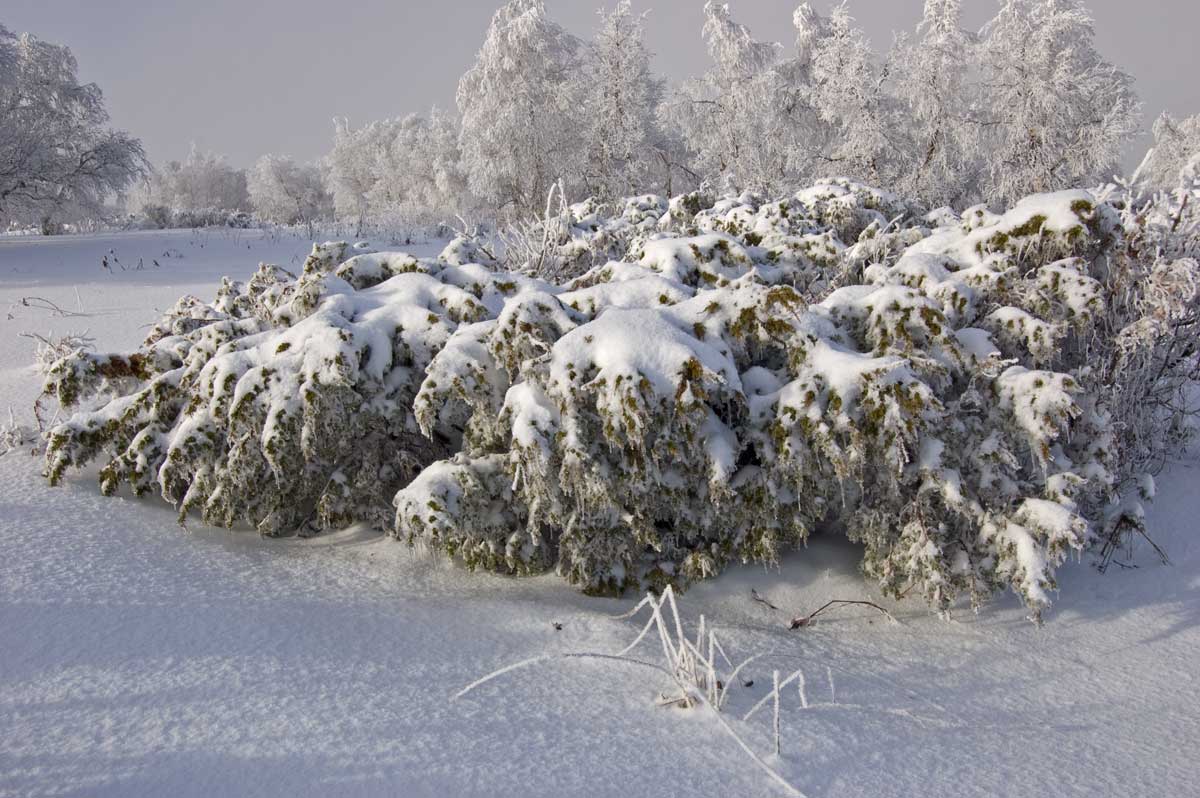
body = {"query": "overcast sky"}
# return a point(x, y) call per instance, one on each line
point(245, 77)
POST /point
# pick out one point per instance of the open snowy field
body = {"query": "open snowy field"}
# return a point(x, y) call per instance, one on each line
point(139, 658)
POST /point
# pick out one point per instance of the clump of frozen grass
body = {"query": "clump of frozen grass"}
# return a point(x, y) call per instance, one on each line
point(698, 667)
point(694, 665)
point(14, 436)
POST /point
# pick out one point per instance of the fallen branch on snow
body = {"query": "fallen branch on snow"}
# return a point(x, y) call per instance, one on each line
point(754, 595)
point(805, 620)
point(41, 303)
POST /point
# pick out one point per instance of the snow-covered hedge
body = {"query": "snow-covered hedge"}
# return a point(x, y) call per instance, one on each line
point(972, 397)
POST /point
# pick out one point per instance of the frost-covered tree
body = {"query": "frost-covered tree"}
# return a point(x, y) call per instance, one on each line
point(811, 136)
point(56, 155)
point(521, 131)
point(204, 180)
point(1176, 145)
point(354, 165)
point(420, 171)
point(733, 118)
point(947, 116)
point(287, 192)
point(406, 171)
point(848, 94)
point(934, 75)
point(619, 95)
point(1055, 112)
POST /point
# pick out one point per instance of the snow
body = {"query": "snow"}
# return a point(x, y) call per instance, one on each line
point(1039, 401)
point(644, 292)
point(534, 416)
point(139, 658)
point(635, 344)
point(1055, 208)
point(977, 343)
point(710, 258)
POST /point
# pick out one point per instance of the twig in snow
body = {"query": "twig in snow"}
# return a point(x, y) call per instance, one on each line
point(41, 303)
point(805, 620)
point(754, 595)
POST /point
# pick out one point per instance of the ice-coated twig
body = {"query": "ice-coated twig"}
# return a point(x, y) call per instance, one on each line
point(732, 677)
point(737, 738)
point(50, 348)
point(549, 657)
point(762, 702)
point(775, 695)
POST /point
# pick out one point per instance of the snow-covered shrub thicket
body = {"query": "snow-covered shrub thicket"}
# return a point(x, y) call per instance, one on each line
point(972, 398)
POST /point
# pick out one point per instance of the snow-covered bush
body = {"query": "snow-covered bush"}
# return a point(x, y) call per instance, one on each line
point(161, 217)
point(284, 403)
point(970, 398)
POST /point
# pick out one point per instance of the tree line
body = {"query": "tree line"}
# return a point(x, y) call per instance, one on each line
point(948, 116)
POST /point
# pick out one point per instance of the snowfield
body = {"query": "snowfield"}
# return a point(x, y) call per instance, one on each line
point(139, 658)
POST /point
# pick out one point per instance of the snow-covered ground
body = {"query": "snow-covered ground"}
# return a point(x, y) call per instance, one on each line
point(138, 658)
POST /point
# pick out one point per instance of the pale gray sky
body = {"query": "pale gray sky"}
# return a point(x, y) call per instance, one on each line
point(245, 77)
